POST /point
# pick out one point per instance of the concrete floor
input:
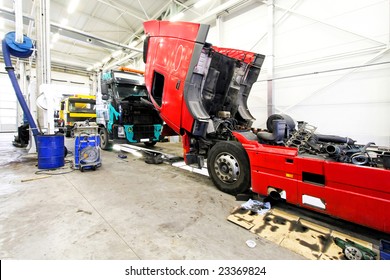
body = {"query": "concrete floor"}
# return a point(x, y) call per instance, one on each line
point(125, 210)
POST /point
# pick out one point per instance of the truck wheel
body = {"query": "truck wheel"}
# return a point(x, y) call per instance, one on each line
point(150, 144)
point(104, 139)
point(228, 167)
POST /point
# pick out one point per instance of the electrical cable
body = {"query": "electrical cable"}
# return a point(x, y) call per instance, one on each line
point(57, 171)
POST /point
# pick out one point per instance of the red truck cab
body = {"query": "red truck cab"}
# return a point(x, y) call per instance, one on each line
point(201, 92)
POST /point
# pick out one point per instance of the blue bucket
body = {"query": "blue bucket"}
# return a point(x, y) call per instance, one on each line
point(51, 151)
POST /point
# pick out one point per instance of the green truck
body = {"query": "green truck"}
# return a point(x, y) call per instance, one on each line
point(124, 112)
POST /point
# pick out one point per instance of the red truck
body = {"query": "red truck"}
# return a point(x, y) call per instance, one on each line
point(201, 93)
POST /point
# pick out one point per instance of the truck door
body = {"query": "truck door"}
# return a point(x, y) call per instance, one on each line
point(167, 71)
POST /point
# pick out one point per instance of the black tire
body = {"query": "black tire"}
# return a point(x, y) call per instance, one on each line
point(150, 144)
point(104, 139)
point(68, 132)
point(228, 166)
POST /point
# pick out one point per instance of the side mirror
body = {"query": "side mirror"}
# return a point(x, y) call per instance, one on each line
point(104, 89)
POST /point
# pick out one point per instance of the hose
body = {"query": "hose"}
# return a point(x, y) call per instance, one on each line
point(22, 50)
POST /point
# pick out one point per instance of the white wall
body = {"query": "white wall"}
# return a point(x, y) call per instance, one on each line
point(8, 105)
point(63, 84)
point(317, 36)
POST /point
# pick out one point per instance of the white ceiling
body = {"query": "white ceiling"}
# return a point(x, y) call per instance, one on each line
point(102, 33)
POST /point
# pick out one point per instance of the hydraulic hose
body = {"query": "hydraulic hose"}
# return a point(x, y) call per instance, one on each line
point(22, 50)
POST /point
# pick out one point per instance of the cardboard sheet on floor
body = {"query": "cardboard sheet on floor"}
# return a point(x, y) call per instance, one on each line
point(294, 233)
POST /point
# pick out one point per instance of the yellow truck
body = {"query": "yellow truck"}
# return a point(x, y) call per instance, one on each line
point(76, 108)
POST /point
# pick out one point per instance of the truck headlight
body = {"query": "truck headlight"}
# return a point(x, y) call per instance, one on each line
point(121, 132)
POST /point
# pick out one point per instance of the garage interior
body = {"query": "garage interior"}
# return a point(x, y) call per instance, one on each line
point(327, 65)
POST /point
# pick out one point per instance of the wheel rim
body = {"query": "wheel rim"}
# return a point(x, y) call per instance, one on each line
point(353, 253)
point(103, 139)
point(227, 168)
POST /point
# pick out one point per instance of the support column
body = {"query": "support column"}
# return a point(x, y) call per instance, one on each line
point(42, 20)
point(218, 24)
point(270, 59)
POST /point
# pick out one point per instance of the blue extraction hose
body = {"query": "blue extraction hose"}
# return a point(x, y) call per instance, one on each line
point(22, 50)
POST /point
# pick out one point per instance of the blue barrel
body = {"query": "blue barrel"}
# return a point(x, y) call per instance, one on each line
point(51, 151)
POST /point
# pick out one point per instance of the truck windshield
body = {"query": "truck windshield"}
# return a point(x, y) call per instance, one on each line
point(126, 90)
point(82, 106)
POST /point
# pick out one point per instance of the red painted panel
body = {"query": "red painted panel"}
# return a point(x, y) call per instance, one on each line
point(262, 180)
point(247, 57)
point(360, 176)
point(354, 193)
point(311, 165)
point(170, 51)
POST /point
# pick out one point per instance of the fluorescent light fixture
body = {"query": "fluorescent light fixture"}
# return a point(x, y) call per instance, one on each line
point(177, 16)
point(64, 22)
point(72, 6)
point(200, 3)
point(117, 53)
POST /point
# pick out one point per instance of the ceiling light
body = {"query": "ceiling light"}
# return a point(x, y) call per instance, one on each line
point(72, 6)
point(89, 68)
point(200, 3)
point(177, 17)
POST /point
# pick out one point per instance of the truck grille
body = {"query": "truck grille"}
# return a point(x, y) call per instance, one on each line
point(143, 131)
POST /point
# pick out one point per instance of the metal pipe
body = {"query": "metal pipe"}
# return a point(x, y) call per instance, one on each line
point(18, 21)
point(270, 59)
